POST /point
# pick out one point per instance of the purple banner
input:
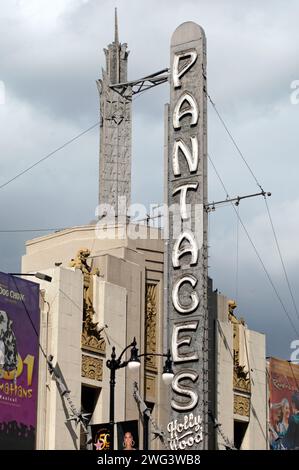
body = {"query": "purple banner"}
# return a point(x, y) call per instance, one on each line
point(19, 339)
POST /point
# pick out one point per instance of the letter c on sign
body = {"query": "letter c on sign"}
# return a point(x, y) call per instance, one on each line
point(194, 296)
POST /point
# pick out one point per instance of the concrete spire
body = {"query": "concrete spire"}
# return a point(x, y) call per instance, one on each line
point(116, 39)
point(115, 131)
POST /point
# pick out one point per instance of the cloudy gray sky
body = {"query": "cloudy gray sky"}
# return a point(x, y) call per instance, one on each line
point(51, 55)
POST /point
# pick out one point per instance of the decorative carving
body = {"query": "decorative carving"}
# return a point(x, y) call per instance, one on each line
point(150, 388)
point(92, 367)
point(241, 376)
point(80, 262)
point(231, 316)
point(241, 379)
point(91, 333)
point(151, 325)
point(117, 108)
point(241, 405)
point(93, 344)
point(115, 149)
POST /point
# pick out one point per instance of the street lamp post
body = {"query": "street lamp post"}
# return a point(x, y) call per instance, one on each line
point(167, 376)
point(133, 363)
point(113, 364)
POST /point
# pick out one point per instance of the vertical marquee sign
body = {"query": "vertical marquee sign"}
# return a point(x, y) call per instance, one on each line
point(186, 264)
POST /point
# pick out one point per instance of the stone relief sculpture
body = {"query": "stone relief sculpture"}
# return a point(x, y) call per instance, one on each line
point(91, 333)
point(151, 324)
point(241, 377)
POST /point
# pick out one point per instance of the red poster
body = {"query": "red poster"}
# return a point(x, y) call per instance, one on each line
point(284, 405)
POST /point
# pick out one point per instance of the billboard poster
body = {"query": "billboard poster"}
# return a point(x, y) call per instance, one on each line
point(284, 405)
point(127, 435)
point(18, 362)
point(101, 436)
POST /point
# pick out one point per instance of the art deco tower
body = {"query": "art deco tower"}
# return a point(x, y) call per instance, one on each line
point(115, 129)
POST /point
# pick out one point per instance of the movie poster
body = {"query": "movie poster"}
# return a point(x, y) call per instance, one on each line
point(101, 436)
point(19, 351)
point(127, 435)
point(284, 405)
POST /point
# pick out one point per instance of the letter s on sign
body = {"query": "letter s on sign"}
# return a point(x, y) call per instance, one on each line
point(184, 390)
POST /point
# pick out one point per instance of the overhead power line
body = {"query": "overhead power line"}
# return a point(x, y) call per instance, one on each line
point(233, 140)
point(60, 229)
point(267, 206)
point(256, 252)
point(237, 257)
point(23, 230)
point(282, 261)
point(3, 185)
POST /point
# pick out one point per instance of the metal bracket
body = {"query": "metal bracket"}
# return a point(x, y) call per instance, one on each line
point(129, 89)
point(211, 206)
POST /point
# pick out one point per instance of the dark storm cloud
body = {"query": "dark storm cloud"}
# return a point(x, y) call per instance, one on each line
point(55, 68)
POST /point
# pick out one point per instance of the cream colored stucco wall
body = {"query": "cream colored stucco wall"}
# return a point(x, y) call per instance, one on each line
point(119, 299)
point(252, 344)
point(61, 322)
